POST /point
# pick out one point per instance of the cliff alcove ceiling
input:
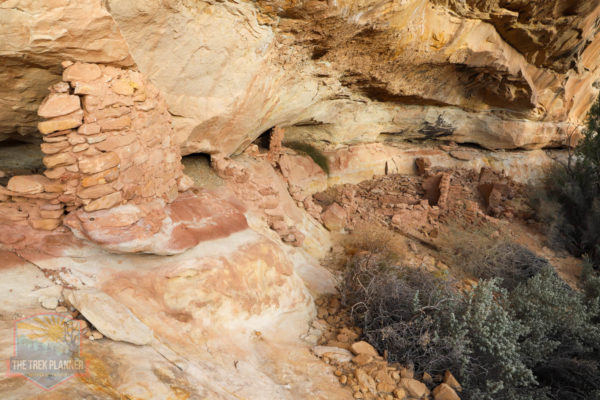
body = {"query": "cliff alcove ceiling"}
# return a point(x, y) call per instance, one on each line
point(502, 74)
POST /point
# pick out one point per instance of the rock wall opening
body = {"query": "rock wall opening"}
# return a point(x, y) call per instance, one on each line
point(19, 158)
point(263, 141)
point(197, 166)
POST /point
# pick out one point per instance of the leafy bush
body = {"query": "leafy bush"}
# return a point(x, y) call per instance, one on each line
point(494, 368)
point(537, 339)
point(563, 339)
point(570, 204)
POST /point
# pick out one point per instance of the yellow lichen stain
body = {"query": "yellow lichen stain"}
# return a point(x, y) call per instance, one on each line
point(98, 378)
point(438, 40)
point(180, 394)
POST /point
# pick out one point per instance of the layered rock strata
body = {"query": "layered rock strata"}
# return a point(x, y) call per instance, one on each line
point(504, 75)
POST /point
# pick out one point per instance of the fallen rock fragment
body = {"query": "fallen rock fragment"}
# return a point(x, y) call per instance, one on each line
point(334, 353)
point(334, 217)
point(109, 317)
point(444, 392)
point(451, 381)
point(363, 347)
point(414, 387)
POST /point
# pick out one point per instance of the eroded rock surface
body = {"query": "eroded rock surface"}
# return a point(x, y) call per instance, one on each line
point(116, 91)
point(502, 75)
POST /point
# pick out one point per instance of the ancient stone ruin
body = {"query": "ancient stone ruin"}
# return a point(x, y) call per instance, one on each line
point(108, 141)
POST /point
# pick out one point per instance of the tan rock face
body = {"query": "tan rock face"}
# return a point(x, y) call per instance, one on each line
point(499, 74)
point(239, 297)
point(415, 68)
point(45, 34)
point(112, 319)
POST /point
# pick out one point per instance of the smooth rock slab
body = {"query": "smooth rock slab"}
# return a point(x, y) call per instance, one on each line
point(30, 184)
point(58, 104)
point(99, 163)
point(335, 353)
point(61, 123)
point(82, 72)
point(109, 317)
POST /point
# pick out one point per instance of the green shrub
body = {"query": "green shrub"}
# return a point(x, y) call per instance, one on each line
point(537, 340)
point(317, 155)
point(570, 204)
point(494, 368)
point(563, 341)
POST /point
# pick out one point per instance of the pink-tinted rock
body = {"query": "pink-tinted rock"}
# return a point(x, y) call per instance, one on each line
point(82, 72)
point(185, 183)
point(59, 159)
point(55, 173)
point(106, 113)
point(30, 184)
point(116, 141)
point(95, 192)
point(46, 224)
point(61, 123)
point(303, 175)
point(52, 148)
point(114, 124)
point(89, 129)
point(57, 104)
point(192, 218)
point(104, 202)
point(99, 163)
point(334, 217)
point(100, 178)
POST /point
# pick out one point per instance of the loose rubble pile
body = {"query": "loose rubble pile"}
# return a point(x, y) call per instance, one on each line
point(358, 365)
point(416, 205)
point(297, 172)
point(107, 141)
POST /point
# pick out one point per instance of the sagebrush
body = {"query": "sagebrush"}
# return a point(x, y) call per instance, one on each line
point(531, 340)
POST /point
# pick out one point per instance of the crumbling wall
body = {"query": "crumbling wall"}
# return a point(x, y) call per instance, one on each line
point(108, 140)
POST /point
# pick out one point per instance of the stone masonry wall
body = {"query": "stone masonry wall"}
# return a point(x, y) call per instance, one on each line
point(108, 140)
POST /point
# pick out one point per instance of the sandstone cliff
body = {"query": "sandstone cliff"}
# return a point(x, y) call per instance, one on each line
point(501, 74)
point(111, 94)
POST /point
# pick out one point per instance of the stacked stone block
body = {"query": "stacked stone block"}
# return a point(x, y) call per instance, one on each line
point(107, 141)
